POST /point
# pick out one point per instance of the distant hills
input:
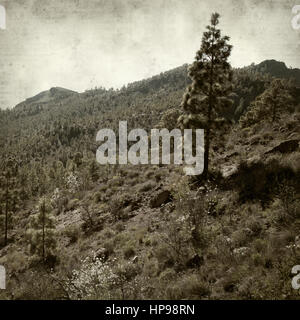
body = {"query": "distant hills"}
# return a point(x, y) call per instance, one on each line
point(54, 94)
point(177, 76)
point(277, 69)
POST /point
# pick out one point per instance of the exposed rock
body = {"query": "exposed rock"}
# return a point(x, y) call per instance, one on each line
point(285, 146)
point(200, 190)
point(293, 135)
point(161, 197)
point(135, 259)
point(253, 160)
point(228, 171)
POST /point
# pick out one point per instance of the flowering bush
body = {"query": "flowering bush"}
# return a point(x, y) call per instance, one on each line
point(93, 280)
point(73, 182)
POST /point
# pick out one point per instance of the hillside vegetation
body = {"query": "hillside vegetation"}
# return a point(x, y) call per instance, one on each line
point(73, 229)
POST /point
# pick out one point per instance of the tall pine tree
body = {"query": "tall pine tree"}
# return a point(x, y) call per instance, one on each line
point(206, 99)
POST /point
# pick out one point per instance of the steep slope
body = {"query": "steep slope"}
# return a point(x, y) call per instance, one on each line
point(158, 233)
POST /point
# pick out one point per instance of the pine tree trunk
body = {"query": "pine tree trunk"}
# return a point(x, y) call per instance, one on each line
point(206, 152)
point(207, 139)
point(274, 113)
point(6, 214)
point(43, 236)
point(6, 222)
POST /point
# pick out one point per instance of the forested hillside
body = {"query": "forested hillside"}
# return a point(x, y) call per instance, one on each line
point(234, 236)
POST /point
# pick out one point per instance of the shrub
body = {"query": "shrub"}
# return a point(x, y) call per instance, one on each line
point(129, 252)
point(109, 247)
point(97, 197)
point(188, 287)
point(119, 227)
point(146, 186)
point(72, 204)
point(254, 225)
point(73, 233)
point(240, 238)
point(91, 219)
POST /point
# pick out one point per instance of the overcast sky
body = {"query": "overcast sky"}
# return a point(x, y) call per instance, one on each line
point(80, 44)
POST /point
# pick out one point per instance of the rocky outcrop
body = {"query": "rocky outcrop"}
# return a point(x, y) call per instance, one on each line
point(229, 171)
point(159, 198)
point(285, 146)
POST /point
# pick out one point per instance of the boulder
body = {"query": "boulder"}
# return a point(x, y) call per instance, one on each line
point(285, 146)
point(159, 198)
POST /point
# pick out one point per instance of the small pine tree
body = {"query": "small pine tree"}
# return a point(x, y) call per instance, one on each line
point(42, 232)
point(93, 170)
point(206, 98)
point(9, 197)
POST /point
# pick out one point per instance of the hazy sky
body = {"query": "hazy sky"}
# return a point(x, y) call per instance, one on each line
point(80, 44)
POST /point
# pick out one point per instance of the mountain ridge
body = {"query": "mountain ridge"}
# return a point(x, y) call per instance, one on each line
point(270, 67)
point(277, 69)
point(46, 96)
